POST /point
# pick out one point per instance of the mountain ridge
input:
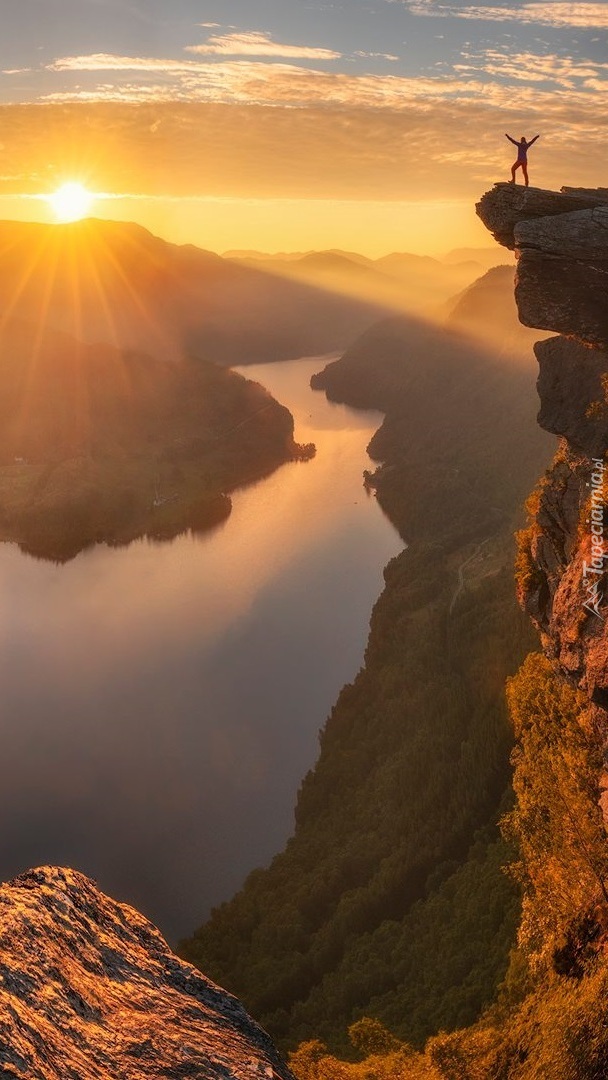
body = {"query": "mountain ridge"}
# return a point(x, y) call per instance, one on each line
point(118, 283)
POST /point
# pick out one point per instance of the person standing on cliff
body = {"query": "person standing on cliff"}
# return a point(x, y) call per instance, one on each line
point(522, 156)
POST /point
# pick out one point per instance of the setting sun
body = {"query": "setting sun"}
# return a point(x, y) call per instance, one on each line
point(71, 202)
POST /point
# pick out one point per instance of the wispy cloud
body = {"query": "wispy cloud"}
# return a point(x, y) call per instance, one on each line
point(590, 16)
point(482, 78)
point(376, 56)
point(565, 72)
point(256, 43)
point(111, 62)
point(257, 83)
point(267, 127)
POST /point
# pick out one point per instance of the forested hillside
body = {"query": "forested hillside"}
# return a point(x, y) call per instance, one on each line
point(550, 1017)
point(102, 445)
point(390, 899)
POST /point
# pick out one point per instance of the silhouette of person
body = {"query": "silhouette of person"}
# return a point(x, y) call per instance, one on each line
point(522, 156)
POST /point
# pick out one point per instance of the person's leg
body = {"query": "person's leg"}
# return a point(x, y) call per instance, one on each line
point(514, 169)
point(524, 169)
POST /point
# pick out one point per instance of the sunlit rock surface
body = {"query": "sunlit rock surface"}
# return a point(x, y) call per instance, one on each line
point(506, 204)
point(89, 989)
point(561, 244)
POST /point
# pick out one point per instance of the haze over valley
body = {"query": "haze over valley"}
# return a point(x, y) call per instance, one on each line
point(103, 442)
point(303, 444)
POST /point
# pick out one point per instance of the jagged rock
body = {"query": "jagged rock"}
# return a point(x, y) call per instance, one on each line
point(561, 243)
point(573, 393)
point(89, 990)
point(502, 208)
point(562, 274)
point(601, 192)
point(555, 595)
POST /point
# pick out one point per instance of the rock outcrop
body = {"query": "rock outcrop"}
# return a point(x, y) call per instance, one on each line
point(572, 393)
point(89, 989)
point(507, 205)
point(561, 244)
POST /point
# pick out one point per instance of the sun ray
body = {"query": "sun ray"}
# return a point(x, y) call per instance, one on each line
point(138, 302)
point(95, 276)
point(81, 275)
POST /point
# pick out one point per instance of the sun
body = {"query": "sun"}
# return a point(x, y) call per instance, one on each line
point(71, 202)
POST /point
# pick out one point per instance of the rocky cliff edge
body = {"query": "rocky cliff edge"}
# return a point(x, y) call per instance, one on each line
point(89, 989)
point(561, 244)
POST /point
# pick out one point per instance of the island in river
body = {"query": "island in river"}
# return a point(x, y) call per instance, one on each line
point(99, 444)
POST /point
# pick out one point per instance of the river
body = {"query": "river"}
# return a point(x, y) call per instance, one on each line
point(161, 702)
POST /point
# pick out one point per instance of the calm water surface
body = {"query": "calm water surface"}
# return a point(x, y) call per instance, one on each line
point(160, 703)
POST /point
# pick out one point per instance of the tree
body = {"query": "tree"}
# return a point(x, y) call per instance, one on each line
point(369, 1036)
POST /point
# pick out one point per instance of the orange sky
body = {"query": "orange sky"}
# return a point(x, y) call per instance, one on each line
point(371, 125)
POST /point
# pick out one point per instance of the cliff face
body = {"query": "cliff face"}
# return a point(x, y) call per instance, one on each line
point(89, 988)
point(561, 243)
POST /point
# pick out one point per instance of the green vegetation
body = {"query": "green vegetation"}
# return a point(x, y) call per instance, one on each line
point(557, 822)
point(369, 905)
point(390, 900)
point(98, 445)
point(551, 1016)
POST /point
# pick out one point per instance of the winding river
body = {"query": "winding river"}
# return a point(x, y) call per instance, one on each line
point(161, 702)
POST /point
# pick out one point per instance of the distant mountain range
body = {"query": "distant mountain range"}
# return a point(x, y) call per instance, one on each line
point(115, 282)
point(487, 311)
point(483, 257)
point(400, 281)
point(113, 407)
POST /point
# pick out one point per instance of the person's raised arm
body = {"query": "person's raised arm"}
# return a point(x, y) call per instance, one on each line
point(514, 141)
point(533, 140)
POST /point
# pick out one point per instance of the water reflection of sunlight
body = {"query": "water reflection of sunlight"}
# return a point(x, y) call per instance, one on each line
point(119, 604)
point(162, 702)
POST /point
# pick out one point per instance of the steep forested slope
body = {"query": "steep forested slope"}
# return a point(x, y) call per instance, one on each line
point(389, 898)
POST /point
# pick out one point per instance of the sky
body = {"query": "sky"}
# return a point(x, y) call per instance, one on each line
point(370, 125)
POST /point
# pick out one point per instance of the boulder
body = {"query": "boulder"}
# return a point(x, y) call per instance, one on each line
point(89, 989)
